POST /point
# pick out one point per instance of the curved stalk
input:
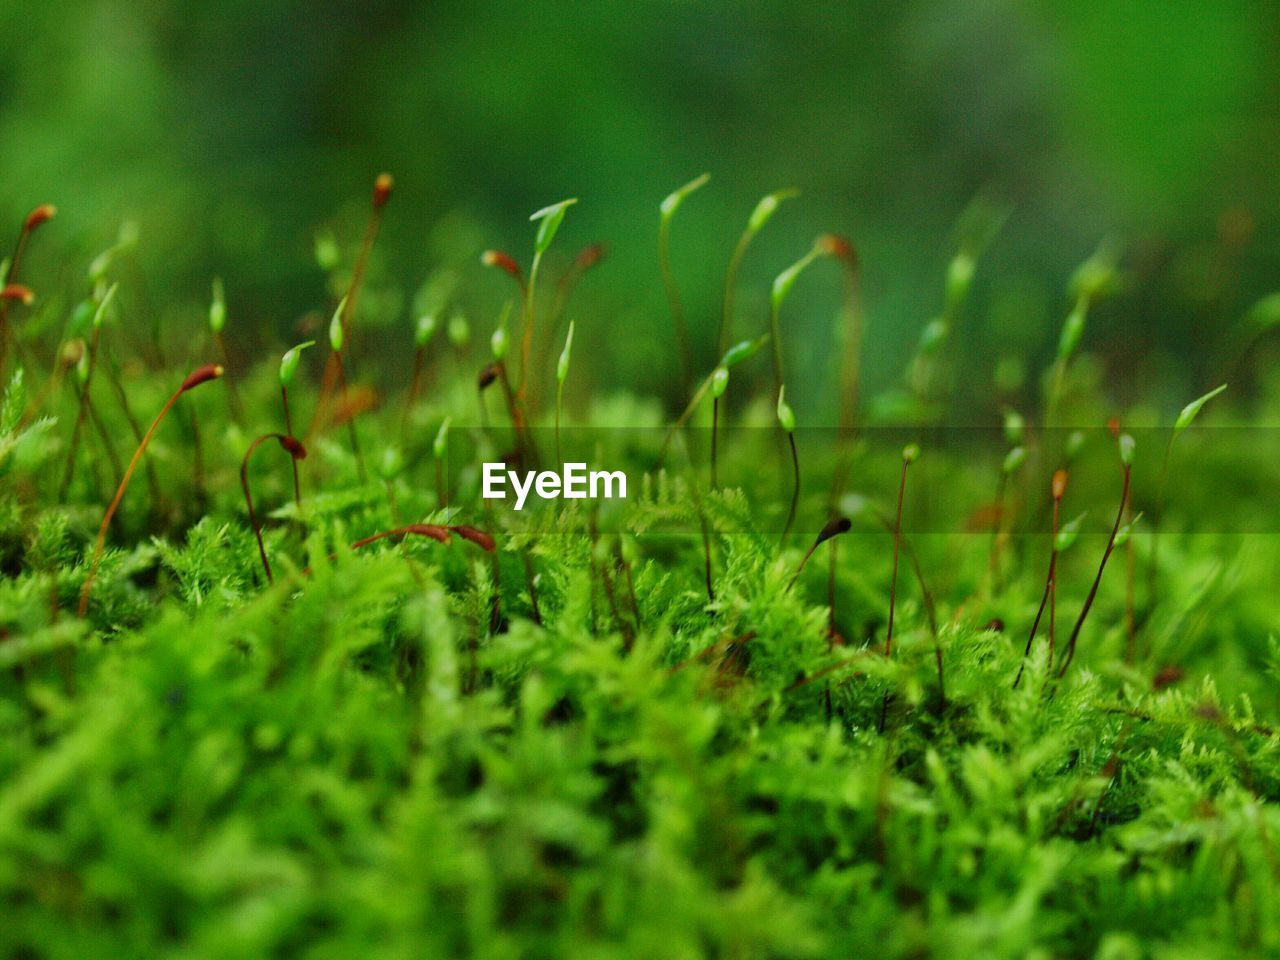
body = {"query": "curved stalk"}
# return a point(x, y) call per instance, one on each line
point(1097, 580)
point(196, 378)
point(296, 452)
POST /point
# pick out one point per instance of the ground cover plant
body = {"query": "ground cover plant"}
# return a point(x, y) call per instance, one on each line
point(808, 691)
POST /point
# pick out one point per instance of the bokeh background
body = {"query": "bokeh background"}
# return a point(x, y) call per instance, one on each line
point(232, 132)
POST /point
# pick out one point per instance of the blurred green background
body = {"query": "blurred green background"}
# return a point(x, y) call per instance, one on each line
point(231, 132)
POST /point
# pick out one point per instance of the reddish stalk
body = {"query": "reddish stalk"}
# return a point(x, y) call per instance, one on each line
point(1102, 565)
point(433, 531)
point(288, 428)
point(587, 258)
point(153, 482)
point(233, 393)
point(382, 187)
point(1059, 489)
point(40, 215)
point(296, 452)
point(204, 374)
point(1131, 560)
point(78, 428)
point(351, 418)
point(795, 485)
point(834, 528)
point(415, 387)
point(997, 529)
point(497, 372)
point(107, 443)
point(908, 455)
point(715, 430)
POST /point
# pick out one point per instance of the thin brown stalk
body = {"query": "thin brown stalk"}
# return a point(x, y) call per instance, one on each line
point(81, 413)
point(795, 485)
point(352, 435)
point(893, 583)
point(233, 393)
point(715, 430)
point(40, 215)
point(296, 452)
point(382, 188)
point(1058, 490)
point(897, 546)
point(196, 378)
point(683, 346)
point(1097, 580)
point(293, 462)
point(415, 387)
point(153, 482)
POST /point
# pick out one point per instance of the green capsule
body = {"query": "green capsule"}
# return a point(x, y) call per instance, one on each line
point(562, 365)
point(1125, 532)
point(719, 381)
point(784, 281)
point(441, 443)
point(1068, 533)
point(1192, 410)
point(218, 307)
point(459, 330)
point(1015, 427)
point(1126, 449)
point(933, 337)
point(290, 360)
point(328, 256)
point(959, 278)
point(100, 314)
point(742, 351)
point(550, 219)
point(337, 335)
point(1014, 459)
point(425, 330)
point(767, 207)
point(1072, 331)
point(391, 463)
point(673, 200)
point(786, 416)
